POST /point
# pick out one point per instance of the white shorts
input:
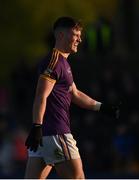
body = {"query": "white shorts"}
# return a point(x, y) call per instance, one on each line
point(56, 149)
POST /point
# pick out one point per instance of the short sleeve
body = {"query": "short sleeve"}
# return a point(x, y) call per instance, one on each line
point(51, 70)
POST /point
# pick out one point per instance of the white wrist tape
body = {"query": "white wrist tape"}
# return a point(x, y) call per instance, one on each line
point(97, 106)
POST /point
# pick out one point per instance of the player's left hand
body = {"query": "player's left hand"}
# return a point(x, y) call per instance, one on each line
point(112, 111)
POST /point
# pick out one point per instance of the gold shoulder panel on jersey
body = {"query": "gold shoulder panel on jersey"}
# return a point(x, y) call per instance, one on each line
point(54, 58)
point(48, 78)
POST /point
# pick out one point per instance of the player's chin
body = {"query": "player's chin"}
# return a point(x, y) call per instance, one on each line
point(74, 50)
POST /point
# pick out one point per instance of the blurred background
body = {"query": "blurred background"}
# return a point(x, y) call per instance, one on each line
point(105, 67)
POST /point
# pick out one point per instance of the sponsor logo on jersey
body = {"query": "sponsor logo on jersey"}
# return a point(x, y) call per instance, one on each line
point(69, 70)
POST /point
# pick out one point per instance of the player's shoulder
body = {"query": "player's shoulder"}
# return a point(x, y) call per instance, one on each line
point(51, 58)
point(50, 61)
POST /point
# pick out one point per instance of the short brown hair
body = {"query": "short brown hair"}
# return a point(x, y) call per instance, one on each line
point(67, 22)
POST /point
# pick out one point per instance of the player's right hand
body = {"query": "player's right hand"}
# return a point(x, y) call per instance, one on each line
point(34, 138)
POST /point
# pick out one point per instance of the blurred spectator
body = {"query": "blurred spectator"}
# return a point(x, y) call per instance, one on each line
point(123, 144)
point(99, 37)
point(6, 149)
point(19, 150)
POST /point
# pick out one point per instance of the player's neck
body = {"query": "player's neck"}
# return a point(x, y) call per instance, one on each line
point(62, 51)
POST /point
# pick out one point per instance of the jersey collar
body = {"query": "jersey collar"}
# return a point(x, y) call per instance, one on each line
point(63, 54)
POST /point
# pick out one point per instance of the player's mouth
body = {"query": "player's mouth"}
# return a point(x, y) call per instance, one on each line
point(76, 45)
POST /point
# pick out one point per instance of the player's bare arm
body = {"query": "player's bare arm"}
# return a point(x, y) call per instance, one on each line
point(82, 100)
point(44, 88)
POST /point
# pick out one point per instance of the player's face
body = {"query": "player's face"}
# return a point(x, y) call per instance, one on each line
point(73, 38)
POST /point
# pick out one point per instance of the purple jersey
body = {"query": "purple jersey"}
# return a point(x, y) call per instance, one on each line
point(55, 68)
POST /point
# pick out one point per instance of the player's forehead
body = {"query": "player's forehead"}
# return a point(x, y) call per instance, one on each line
point(76, 31)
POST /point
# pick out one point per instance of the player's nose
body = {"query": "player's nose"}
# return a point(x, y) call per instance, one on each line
point(79, 40)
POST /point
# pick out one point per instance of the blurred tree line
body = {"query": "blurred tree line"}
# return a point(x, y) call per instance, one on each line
point(24, 25)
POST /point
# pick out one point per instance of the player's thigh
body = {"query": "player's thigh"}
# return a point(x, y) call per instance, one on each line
point(36, 168)
point(72, 169)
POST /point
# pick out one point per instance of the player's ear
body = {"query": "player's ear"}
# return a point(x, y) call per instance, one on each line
point(61, 34)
